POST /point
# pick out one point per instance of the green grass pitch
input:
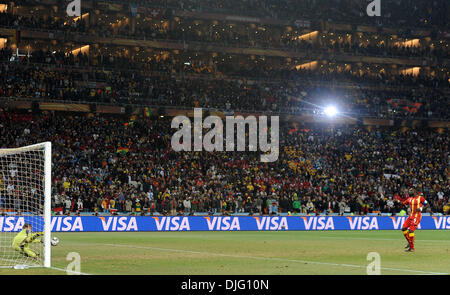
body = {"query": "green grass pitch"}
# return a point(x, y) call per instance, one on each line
point(266, 253)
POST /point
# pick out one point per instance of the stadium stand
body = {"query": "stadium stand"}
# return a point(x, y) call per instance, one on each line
point(110, 162)
point(229, 56)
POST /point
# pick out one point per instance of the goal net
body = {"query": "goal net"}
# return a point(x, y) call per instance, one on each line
point(25, 182)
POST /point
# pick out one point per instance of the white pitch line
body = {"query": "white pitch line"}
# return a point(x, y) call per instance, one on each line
point(69, 271)
point(39, 266)
point(272, 258)
point(372, 239)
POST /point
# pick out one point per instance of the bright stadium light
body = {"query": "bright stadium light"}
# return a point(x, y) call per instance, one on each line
point(330, 111)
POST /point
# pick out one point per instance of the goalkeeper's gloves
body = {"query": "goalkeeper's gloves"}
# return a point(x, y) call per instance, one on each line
point(35, 236)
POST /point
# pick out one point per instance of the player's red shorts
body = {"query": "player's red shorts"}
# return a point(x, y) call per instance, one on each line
point(412, 222)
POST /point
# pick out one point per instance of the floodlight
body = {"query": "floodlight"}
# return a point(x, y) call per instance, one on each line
point(330, 111)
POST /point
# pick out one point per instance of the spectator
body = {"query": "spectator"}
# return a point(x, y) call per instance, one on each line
point(187, 205)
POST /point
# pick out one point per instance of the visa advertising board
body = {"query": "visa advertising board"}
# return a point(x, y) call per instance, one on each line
point(219, 223)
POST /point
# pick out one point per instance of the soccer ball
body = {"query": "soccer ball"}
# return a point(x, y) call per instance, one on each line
point(54, 241)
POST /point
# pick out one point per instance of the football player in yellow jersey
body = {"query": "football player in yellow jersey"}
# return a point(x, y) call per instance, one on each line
point(24, 238)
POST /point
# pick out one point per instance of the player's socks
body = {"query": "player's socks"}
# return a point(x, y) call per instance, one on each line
point(411, 238)
point(406, 234)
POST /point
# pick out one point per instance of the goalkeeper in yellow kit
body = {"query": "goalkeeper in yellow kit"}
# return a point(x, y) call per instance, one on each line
point(23, 239)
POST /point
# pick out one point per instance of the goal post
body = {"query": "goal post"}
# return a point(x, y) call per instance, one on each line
point(25, 198)
point(47, 202)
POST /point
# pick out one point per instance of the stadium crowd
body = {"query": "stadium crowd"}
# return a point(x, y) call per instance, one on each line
point(233, 35)
point(171, 82)
point(120, 164)
point(411, 13)
point(105, 163)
